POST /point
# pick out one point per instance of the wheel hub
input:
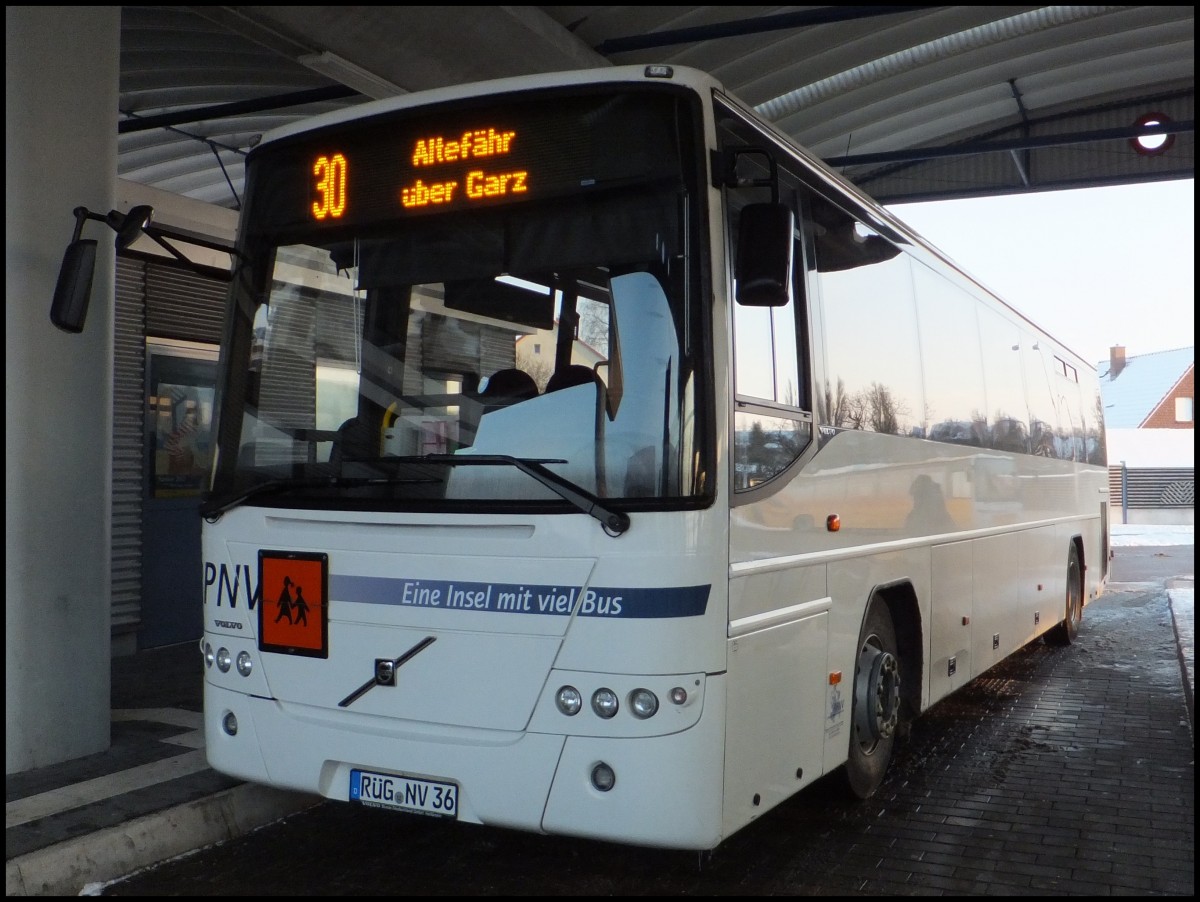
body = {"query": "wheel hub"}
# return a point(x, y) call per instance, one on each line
point(877, 695)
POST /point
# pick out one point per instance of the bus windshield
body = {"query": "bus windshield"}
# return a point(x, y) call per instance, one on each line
point(510, 282)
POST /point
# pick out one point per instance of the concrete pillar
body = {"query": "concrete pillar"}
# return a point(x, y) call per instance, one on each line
point(62, 66)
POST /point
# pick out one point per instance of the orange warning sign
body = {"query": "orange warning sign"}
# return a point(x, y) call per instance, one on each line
point(293, 614)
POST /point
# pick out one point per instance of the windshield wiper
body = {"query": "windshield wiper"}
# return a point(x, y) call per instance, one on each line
point(614, 522)
point(214, 507)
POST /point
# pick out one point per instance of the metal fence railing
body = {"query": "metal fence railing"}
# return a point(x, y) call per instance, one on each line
point(1163, 488)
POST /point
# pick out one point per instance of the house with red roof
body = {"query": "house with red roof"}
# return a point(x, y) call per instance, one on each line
point(1150, 426)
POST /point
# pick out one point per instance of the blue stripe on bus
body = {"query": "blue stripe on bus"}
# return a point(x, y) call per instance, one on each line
point(514, 598)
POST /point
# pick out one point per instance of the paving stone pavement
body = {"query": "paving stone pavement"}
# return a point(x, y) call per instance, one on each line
point(1059, 772)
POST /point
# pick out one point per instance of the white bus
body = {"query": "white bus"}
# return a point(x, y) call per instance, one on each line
point(594, 461)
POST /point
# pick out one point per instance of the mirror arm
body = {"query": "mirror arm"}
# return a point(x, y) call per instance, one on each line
point(82, 215)
point(171, 249)
point(724, 167)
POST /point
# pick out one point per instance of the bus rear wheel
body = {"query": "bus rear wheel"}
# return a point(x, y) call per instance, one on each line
point(875, 717)
point(1065, 633)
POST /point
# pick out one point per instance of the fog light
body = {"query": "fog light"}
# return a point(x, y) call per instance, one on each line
point(569, 700)
point(604, 703)
point(244, 664)
point(643, 703)
point(209, 657)
point(229, 723)
point(224, 660)
point(603, 777)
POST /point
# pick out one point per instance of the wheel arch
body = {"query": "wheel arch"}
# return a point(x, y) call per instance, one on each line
point(1077, 541)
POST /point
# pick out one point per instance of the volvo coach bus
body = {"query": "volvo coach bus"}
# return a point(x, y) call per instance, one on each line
point(591, 460)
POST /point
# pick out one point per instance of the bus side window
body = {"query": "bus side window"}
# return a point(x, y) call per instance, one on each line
point(771, 393)
point(872, 347)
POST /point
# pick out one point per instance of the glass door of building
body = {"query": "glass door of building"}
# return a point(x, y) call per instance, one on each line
point(180, 389)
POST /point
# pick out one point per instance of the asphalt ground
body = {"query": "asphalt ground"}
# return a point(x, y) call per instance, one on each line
point(1076, 810)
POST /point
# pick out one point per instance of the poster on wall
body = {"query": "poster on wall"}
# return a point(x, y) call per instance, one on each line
point(180, 410)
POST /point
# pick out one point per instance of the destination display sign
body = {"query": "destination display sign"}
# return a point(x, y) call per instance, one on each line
point(453, 171)
point(410, 163)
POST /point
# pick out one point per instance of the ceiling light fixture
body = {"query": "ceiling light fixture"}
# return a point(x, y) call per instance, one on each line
point(333, 66)
point(1152, 143)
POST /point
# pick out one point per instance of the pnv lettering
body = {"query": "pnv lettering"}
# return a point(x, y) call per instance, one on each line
point(230, 586)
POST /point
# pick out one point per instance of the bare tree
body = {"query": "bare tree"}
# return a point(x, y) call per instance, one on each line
point(881, 410)
point(835, 406)
point(540, 369)
point(593, 325)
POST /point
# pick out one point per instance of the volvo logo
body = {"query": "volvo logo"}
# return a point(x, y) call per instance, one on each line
point(385, 672)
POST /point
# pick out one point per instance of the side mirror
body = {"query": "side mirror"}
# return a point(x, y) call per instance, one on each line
point(765, 252)
point(129, 226)
point(69, 308)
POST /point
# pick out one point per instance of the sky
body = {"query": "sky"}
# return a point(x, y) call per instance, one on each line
point(1094, 267)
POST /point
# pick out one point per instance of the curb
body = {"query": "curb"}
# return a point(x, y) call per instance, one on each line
point(1184, 643)
point(73, 867)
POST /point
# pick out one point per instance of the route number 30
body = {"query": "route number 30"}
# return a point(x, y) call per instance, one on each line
point(331, 187)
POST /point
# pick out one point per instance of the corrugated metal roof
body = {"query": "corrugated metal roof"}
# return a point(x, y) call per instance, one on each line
point(909, 103)
point(1139, 387)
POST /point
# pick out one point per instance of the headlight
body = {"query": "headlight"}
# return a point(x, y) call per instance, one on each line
point(209, 657)
point(569, 700)
point(224, 660)
point(244, 664)
point(604, 703)
point(643, 703)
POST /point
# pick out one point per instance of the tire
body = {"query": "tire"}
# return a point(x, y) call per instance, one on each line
point(1066, 632)
point(875, 712)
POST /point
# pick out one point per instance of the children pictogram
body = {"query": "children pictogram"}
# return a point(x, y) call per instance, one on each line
point(293, 617)
point(285, 602)
point(301, 606)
